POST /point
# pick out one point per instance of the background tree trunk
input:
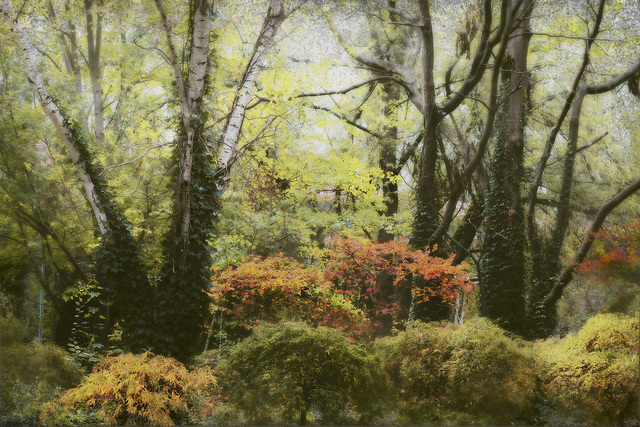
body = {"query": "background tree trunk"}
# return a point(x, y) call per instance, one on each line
point(502, 263)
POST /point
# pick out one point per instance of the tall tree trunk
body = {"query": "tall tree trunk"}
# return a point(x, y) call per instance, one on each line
point(181, 307)
point(120, 270)
point(502, 265)
point(393, 50)
point(427, 205)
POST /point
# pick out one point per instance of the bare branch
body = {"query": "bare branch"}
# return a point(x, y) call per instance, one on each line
point(604, 210)
point(348, 89)
point(595, 141)
point(411, 20)
point(347, 120)
point(614, 82)
point(406, 75)
point(533, 193)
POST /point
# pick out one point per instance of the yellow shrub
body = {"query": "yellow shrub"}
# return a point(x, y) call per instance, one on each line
point(474, 374)
point(592, 376)
point(136, 389)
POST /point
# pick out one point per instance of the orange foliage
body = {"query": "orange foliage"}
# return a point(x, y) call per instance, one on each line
point(280, 288)
point(362, 285)
point(141, 390)
point(375, 275)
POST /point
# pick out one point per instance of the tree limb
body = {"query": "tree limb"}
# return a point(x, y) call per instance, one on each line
point(406, 75)
point(614, 82)
point(590, 236)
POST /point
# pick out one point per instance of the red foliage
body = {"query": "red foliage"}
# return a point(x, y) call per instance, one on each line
point(362, 285)
point(617, 254)
point(376, 275)
point(279, 288)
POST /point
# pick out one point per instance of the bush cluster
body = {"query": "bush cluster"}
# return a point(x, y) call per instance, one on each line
point(429, 374)
point(292, 372)
point(474, 374)
point(592, 376)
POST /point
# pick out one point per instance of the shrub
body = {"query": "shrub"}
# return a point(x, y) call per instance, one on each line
point(12, 331)
point(137, 389)
point(474, 374)
point(414, 358)
point(592, 376)
point(491, 377)
point(378, 278)
point(31, 376)
point(280, 289)
point(287, 371)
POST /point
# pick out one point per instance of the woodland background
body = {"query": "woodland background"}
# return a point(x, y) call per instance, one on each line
point(341, 212)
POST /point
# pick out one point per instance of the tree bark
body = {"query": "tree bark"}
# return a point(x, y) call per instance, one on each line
point(231, 133)
point(68, 134)
point(502, 282)
point(94, 42)
point(427, 206)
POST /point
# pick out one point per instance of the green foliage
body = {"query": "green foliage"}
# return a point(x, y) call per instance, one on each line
point(88, 321)
point(120, 271)
point(31, 375)
point(415, 359)
point(12, 330)
point(474, 374)
point(591, 377)
point(286, 372)
point(137, 389)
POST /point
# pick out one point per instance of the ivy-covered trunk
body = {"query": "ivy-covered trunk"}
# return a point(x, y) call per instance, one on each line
point(427, 204)
point(180, 306)
point(121, 274)
point(502, 265)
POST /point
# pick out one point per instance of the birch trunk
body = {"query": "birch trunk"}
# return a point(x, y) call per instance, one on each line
point(191, 95)
point(231, 133)
point(94, 41)
point(52, 110)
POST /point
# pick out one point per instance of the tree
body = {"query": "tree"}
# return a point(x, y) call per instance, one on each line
point(503, 258)
point(121, 269)
point(197, 189)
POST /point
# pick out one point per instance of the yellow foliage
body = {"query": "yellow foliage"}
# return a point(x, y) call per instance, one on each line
point(136, 390)
point(593, 374)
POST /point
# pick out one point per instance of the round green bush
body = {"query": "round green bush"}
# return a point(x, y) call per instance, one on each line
point(292, 372)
